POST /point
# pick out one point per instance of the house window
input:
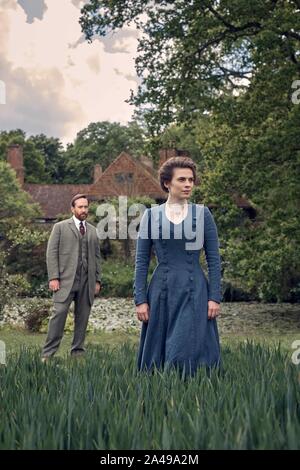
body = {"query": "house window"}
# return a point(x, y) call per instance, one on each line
point(122, 178)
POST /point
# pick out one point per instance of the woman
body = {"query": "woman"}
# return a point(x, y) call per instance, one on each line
point(179, 307)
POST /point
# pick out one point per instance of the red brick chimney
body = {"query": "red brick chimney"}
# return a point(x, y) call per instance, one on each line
point(146, 161)
point(166, 153)
point(97, 172)
point(15, 159)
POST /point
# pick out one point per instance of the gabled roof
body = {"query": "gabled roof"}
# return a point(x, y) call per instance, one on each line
point(142, 182)
point(54, 199)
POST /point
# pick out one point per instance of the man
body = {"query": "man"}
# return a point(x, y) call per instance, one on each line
point(73, 264)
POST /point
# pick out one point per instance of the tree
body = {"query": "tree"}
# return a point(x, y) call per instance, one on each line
point(251, 149)
point(53, 154)
point(15, 203)
point(192, 53)
point(16, 233)
point(226, 69)
point(34, 163)
point(100, 142)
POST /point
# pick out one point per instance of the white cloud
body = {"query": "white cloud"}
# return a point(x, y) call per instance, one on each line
point(119, 41)
point(93, 62)
point(57, 83)
point(8, 4)
point(79, 3)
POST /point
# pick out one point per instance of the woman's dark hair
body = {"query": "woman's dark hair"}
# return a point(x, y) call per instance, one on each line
point(166, 170)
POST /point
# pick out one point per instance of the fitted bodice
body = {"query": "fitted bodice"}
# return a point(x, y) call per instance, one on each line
point(173, 241)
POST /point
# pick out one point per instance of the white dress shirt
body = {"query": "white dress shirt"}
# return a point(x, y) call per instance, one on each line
point(77, 223)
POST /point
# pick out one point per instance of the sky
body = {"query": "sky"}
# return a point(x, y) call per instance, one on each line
point(52, 80)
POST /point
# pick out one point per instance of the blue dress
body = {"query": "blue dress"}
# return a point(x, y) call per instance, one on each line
point(178, 332)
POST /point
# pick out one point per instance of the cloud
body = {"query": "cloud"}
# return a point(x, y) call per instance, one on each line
point(118, 41)
point(79, 41)
point(79, 3)
point(35, 102)
point(94, 63)
point(127, 76)
point(56, 83)
point(8, 4)
point(33, 9)
point(114, 43)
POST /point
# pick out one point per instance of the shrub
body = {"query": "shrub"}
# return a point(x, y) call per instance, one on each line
point(30, 313)
point(34, 320)
point(12, 285)
point(117, 278)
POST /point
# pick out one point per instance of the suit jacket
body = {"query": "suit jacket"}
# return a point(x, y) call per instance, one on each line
point(62, 257)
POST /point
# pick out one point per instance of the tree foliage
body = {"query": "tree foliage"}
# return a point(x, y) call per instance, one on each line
point(100, 142)
point(46, 161)
point(53, 155)
point(192, 53)
point(34, 163)
point(223, 71)
point(15, 203)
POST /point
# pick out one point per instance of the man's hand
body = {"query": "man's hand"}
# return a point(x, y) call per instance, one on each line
point(97, 288)
point(142, 312)
point(213, 309)
point(54, 285)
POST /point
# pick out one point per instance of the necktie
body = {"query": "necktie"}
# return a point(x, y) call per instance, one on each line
point(81, 228)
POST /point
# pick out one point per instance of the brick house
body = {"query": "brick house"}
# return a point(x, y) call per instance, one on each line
point(125, 176)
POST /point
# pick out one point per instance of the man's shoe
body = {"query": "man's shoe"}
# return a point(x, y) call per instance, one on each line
point(77, 355)
point(46, 359)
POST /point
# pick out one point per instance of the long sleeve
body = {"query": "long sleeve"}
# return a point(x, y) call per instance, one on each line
point(52, 253)
point(142, 259)
point(212, 254)
point(98, 260)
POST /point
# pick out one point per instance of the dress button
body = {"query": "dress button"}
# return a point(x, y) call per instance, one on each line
point(191, 278)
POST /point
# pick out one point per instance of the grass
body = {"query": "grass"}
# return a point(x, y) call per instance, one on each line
point(283, 340)
point(15, 338)
point(104, 404)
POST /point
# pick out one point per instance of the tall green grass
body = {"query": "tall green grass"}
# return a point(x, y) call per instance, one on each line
point(102, 402)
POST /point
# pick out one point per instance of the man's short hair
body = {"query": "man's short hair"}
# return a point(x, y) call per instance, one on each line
point(78, 196)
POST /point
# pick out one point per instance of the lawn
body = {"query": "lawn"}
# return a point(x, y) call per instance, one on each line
point(102, 402)
point(15, 338)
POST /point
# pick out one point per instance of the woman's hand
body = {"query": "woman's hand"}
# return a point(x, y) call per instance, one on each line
point(142, 312)
point(213, 309)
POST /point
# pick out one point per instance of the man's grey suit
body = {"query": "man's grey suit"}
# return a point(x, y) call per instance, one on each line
point(74, 260)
